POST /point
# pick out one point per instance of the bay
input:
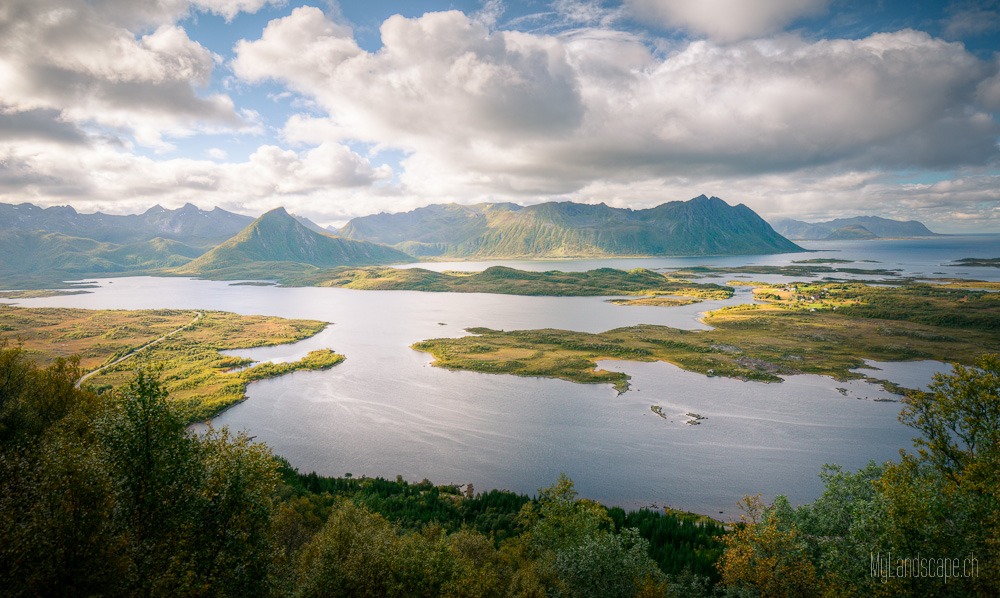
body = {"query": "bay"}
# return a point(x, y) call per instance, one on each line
point(386, 411)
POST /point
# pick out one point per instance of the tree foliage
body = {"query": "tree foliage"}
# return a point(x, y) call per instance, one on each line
point(109, 495)
point(767, 554)
point(112, 497)
point(938, 507)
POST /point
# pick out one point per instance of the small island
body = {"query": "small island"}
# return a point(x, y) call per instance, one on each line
point(508, 281)
point(815, 328)
point(695, 419)
point(656, 301)
point(802, 268)
point(978, 262)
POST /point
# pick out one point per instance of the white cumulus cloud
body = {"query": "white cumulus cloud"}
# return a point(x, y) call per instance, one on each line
point(103, 177)
point(725, 20)
point(481, 111)
point(81, 60)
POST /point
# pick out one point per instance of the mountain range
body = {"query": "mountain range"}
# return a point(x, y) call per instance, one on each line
point(42, 247)
point(188, 224)
point(277, 243)
point(31, 259)
point(701, 226)
point(860, 227)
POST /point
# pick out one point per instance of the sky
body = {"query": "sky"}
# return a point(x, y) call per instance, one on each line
point(806, 109)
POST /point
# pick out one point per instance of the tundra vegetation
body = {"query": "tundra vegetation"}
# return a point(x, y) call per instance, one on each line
point(801, 268)
point(508, 281)
point(37, 293)
point(813, 328)
point(201, 380)
point(495, 279)
point(656, 301)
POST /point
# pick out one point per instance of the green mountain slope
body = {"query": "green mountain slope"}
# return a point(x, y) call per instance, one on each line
point(883, 227)
point(878, 227)
point(34, 259)
point(701, 226)
point(799, 230)
point(851, 233)
point(188, 224)
point(277, 243)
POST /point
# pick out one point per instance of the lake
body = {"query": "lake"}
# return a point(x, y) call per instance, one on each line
point(386, 411)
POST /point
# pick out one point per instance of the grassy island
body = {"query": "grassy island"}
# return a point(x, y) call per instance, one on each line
point(979, 262)
point(200, 379)
point(656, 301)
point(818, 329)
point(801, 268)
point(495, 279)
point(38, 293)
point(508, 281)
point(823, 260)
point(951, 305)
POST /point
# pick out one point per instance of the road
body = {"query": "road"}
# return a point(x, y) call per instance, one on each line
point(136, 352)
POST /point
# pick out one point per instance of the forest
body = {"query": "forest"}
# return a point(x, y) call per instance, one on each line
point(109, 495)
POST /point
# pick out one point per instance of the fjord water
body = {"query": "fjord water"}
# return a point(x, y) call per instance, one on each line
point(386, 411)
point(921, 258)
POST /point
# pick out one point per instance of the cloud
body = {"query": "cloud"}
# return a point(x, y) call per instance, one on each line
point(966, 203)
point(272, 169)
point(441, 76)
point(988, 90)
point(331, 184)
point(101, 176)
point(725, 20)
point(325, 44)
point(228, 9)
point(42, 124)
point(81, 60)
point(972, 19)
point(473, 113)
point(484, 112)
point(586, 12)
point(150, 14)
point(490, 12)
point(128, 14)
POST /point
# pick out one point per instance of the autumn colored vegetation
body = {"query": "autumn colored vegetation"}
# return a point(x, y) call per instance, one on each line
point(749, 342)
point(108, 495)
point(509, 281)
point(964, 305)
point(198, 376)
point(927, 525)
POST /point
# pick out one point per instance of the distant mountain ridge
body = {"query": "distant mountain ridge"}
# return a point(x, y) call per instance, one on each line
point(878, 227)
point(278, 242)
point(188, 224)
point(34, 258)
point(851, 232)
point(700, 226)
